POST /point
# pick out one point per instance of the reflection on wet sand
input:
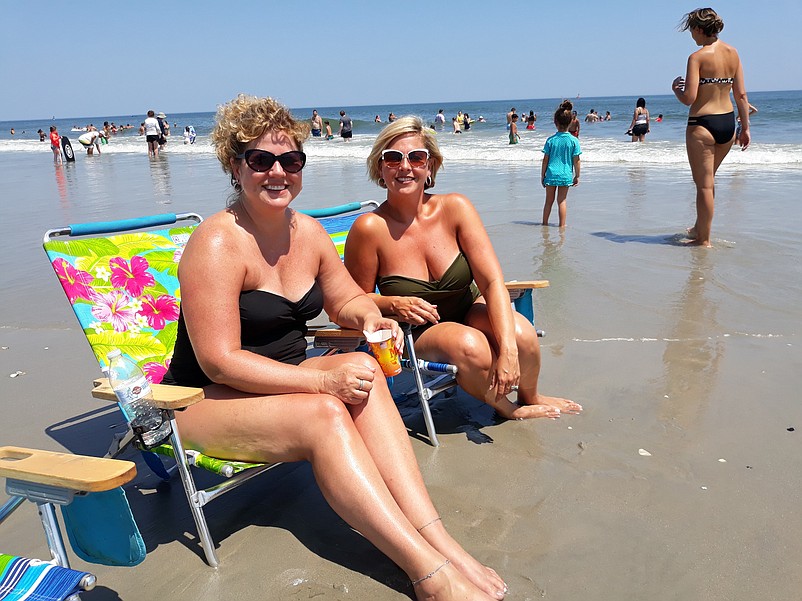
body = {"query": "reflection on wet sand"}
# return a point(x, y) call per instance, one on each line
point(694, 348)
point(160, 174)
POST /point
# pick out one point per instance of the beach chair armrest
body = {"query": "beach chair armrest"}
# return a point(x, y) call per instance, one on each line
point(164, 396)
point(526, 284)
point(65, 470)
point(333, 337)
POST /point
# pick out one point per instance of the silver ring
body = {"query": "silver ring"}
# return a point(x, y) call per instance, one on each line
point(514, 388)
point(361, 383)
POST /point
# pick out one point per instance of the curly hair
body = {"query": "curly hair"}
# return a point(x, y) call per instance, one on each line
point(705, 19)
point(247, 118)
point(400, 127)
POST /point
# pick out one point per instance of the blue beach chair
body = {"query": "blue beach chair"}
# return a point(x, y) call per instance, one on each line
point(95, 513)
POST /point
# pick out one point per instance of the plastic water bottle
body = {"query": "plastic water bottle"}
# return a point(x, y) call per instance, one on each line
point(134, 397)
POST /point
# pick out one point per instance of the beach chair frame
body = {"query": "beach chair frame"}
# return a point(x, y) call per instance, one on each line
point(48, 479)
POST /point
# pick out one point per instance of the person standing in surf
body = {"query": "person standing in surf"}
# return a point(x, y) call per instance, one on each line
point(55, 145)
point(560, 167)
point(713, 72)
point(152, 133)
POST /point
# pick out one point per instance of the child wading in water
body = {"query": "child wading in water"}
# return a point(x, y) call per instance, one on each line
point(514, 137)
point(560, 167)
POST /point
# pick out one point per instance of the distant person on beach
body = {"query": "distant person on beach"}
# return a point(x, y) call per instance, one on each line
point(41, 135)
point(189, 134)
point(55, 145)
point(466, 122)
point(435, 267)
point(608, 116)
point(440, 119)
point(752, 111)
point(264, 270)
point(152, 133)
point(90, 140)
point(377, 119)
point(713, 71)
point(530, 120)
point(164, 130)
point(142, 129)
point(455, 125)
point(510, 113)
point(329, 135)
point(391, 117)
point(659, 118)
point(640, 125)
point(573, 129)
point(560, 166)
point(346, 127)
point(317, 124)
point(12, 131)
point(514, 137)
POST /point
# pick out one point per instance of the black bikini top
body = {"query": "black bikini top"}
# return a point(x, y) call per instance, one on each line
point(724, 80)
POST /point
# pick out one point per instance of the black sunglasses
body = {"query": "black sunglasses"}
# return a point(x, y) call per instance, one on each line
point(416, 158)
point(263, 160)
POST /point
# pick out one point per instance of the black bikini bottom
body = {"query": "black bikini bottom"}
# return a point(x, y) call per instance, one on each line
point(722, 127)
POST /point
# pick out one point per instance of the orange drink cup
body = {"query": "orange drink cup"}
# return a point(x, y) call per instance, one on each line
point(382, 346)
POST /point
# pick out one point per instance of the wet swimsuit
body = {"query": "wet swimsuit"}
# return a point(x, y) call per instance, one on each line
point(722, 127)
point(270, 325)
point(454, 293)
point(707, 80)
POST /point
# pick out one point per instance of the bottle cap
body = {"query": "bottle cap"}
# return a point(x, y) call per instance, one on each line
point(115, 353)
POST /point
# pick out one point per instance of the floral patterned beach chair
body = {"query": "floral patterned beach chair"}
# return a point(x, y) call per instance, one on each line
point(122, 282)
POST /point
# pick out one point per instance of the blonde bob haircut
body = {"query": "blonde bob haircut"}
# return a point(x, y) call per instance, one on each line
point(246, 118)
point(400, 127)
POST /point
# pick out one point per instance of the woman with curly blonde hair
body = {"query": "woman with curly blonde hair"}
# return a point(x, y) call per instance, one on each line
point(251, 277)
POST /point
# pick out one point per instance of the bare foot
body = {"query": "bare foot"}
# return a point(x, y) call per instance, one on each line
point(697, 242)
point(448, 584)
point(564, 405)
point(532, 411)
point(691, 231)
point(484, 578)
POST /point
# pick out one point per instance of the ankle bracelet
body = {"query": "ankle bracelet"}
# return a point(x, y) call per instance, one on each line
point(432, 573)
point(437, 519)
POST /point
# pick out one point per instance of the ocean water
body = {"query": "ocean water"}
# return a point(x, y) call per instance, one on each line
point(632, 197)
point(776, 131)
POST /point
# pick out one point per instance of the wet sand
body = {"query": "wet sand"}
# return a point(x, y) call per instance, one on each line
point(689, 354)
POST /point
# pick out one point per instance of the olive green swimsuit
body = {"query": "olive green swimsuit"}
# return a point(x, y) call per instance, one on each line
point(454, 293)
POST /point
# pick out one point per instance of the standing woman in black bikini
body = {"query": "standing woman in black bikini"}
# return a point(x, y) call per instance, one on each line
point(713, 71)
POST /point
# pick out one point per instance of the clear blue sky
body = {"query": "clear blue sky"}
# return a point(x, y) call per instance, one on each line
point(92, 57)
